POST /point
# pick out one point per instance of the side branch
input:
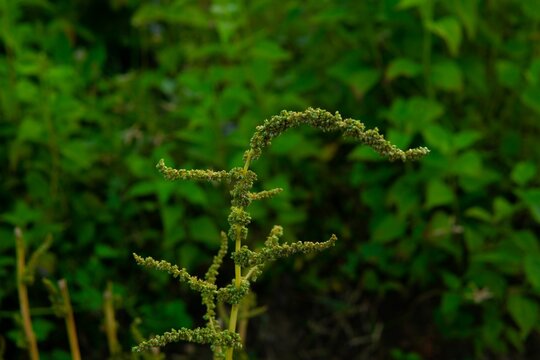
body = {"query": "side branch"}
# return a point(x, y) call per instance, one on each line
point(194, 282)
point(183, 174)
point(199, 335)
point(318, 118)
point(265, 194)
point(248, 258)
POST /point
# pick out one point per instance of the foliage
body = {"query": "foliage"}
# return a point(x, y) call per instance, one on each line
point(444, 254)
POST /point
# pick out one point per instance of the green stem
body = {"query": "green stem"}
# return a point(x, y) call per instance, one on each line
point(23, 297)
point(70, 321)
point(237, 272)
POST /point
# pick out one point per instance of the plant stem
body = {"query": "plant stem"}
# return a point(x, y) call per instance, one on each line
point(237, 272)
point(110, 321)
point(23, 297)
point(70, 321)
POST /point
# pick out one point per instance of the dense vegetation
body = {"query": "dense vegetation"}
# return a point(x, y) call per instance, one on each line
point(436, 260)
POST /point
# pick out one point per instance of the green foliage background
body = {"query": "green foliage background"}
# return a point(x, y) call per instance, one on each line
point(436, 260)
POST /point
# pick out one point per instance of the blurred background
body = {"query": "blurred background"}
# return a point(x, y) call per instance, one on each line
point(438, 259)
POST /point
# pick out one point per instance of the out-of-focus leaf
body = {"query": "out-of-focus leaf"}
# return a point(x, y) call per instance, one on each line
point(531, 197)
point(532, 269)
point(478, 213)
point(438, 193)
point(438, 137)
point(467, 12)
point(464, 139)
point(203, 229)
point(531, 98)
point(502, 208)
point(523, 172)
point(414, 114)
point(524, 312)
point(449, 30)
point(269, 50)
point(402, 67)
point(405, 4)
point(531, 8)
point(447, 76)
point(526, 241)
point(508, 73)
point(388, 228)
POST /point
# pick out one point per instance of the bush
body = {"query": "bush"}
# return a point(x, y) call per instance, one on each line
point(442, 259)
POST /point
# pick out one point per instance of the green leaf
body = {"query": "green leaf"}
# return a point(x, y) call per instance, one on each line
point(269, 50)
point(204, 229)
point(450, 304)
point(531, 197)
point(478, 213)
point(526, 241)
point(531, 98)
point(468, 164)
point(465, 139)
point(32, 130)
point(524, 312)
point(532, 269)
point(438, 193)
point(502, 208)
point(447, 76)
point(531, 8)
point(523, 172)
point(406, 4)
point(192, 192)
point(388, 229)
point(467, 12)
point(438, 138)
point(449, 30)
point(451, 281)
point(402, 67)
point(414, 114)
point(508, 73)
point(364, 153)
point(362, 80)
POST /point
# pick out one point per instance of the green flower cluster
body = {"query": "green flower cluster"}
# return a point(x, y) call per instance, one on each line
point(249, 264)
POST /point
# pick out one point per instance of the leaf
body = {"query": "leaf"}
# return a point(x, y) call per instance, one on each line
point(464, 139)
point(414, 114)
point(449, 30)
point(450, 304)
point(523, 172)
point(438, 193)
point(388, 229)
point(363, 80)
point(447, 76)
point(269, 50)
point(31, 129)
point(531, 266)
point(451, 281)
point(508, 73)
point(524, 312)
point(531, 8)
point(204, 229)
point(438, 138)
point(531, 197)
point(531, 98)
point(526, 241)
point(402, 67)
point(478, 213)
point(468, 164)
point(467, 12)
point(501, 208)
point(406, 4)
point(354, 73)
